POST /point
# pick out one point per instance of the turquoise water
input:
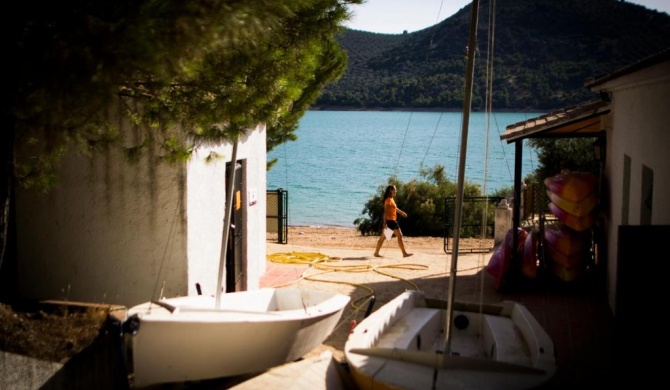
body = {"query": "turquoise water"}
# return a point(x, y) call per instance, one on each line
point(342, 157)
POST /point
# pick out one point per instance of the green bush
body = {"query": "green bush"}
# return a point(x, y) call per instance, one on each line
point(424, 201)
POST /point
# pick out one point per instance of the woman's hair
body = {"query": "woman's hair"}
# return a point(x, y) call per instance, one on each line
point(387, 193)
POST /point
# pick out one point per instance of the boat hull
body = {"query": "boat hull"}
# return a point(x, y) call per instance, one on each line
point(579, 208)
point(564, 260)
point(186, 339)
point(578, 224)
point(571, 186)
point(401, 346)
point(566, 240)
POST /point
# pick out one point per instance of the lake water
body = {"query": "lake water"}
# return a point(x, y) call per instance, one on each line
point(342, 157)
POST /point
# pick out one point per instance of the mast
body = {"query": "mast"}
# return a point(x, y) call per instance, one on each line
point(467, 101)
point(226, 225)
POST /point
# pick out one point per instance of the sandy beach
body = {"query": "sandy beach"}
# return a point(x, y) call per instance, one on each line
point(341, 237)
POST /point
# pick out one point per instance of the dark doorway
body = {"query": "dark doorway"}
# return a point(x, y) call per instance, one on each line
point(234, 259)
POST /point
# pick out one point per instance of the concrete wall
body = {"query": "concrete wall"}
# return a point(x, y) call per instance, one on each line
point(117, 233)
point(503, 221)
point(638, 127)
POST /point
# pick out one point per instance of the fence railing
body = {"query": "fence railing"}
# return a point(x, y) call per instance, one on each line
point(277, 216)
point(475, 235)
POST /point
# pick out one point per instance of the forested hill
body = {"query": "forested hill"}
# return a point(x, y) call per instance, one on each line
point(544, 51)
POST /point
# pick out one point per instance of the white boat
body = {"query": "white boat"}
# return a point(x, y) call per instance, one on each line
point(415, 343)
point(194, 338)
point(402, 345)
point(188, 339)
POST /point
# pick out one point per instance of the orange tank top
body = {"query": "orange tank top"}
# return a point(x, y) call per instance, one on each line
point(390, 209)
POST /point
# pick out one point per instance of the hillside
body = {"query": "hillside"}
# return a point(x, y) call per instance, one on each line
point(543, 52)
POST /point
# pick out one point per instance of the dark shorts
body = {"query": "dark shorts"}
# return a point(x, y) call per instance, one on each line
point(393, 225)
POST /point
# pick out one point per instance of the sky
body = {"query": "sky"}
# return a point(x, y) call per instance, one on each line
point(397, 16)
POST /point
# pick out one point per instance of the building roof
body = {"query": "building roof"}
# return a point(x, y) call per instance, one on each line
point(574, 121)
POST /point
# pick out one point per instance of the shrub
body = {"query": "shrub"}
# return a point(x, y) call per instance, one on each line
point(423, 199)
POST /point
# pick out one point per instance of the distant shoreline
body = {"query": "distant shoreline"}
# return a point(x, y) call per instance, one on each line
point(321, 226)
point(415, 109)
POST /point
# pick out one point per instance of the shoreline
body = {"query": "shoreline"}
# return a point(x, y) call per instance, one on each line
point(419, 109)
point(322, 226)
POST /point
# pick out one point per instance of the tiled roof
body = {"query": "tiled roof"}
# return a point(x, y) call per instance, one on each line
point(582, 119)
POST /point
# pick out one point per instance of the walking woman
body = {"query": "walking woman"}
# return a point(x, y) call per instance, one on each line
point(390, 218)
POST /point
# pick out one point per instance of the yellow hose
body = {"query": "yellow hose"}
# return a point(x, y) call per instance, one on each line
point(319, 261)
point(300, 257)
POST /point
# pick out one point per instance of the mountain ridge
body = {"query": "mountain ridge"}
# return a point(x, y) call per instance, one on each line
point(543, 51)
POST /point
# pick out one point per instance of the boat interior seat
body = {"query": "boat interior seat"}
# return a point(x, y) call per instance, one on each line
point(419, 324)
point(502, 341)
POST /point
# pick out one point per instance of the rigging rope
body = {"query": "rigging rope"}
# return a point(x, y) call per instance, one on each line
point(402, 145)
point(489, 111)
point(166, 258)
point(421, 164)
point(286, 186)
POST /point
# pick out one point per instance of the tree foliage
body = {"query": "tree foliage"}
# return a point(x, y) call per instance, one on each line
point(184, 72)
point(181, 73)
point(557, 154)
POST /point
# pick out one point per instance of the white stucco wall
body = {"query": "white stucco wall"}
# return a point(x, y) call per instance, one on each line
point(638, 129)
point(256, 185)
point(117, 233)
point(206, 205)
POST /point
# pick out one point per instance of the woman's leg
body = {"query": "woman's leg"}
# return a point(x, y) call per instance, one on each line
point(379, 244)
point(398, 234)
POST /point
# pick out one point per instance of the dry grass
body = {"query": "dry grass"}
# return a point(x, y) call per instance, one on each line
point(49, 332)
